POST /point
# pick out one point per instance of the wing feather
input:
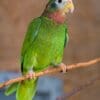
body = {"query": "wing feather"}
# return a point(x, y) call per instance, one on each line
point(31, 34)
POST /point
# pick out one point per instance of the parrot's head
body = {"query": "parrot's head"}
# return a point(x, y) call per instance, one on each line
point(58, 9)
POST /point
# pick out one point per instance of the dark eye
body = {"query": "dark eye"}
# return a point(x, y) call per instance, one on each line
point(59, 1)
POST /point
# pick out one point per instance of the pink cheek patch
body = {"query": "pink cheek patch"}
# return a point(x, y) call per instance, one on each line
point(57, 17)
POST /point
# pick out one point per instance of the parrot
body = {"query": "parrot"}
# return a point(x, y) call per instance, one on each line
point(43, 46)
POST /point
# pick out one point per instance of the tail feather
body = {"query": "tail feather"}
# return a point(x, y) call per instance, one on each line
point(26, 90)
point(11, 89)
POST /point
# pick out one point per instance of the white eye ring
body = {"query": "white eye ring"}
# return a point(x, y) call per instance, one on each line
point(61, 3)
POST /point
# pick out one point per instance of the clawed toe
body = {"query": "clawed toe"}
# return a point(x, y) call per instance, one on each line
point(31, 75)
point(63, 67)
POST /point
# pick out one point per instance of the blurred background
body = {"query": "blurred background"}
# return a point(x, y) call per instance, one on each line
point(84, 44)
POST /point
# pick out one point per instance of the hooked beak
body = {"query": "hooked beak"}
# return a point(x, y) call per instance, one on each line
point(69, 7)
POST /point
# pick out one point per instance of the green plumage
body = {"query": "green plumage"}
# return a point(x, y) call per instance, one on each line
point(43, 46)
point(26, 90)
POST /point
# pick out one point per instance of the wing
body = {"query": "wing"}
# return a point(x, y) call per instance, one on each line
point(31, 34)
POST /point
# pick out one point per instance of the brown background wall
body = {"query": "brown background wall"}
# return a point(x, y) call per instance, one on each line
point(84, 29)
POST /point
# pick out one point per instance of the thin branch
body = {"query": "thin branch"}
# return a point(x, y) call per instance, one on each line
point(53, 70)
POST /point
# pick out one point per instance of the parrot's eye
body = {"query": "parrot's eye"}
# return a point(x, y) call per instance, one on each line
point(59, 1)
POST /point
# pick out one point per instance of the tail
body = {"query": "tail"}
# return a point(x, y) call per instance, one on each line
point(11, 89)
point(26, 90)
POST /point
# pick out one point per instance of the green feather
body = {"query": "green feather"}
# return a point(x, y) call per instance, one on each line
point(43, 46)
point(26, 90)
point(46, 48)
point(31, 34)
point(11, 89)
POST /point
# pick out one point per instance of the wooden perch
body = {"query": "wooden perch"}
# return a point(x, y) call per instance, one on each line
point(53, 70)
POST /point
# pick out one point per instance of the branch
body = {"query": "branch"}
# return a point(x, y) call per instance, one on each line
point(53, 70)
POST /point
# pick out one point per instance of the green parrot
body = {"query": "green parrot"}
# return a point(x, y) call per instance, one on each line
point(43, 46)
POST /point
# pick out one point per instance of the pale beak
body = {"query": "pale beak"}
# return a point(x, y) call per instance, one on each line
point(69, 7)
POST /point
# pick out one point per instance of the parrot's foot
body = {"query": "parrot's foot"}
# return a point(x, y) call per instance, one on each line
point(63, 67)
point(31, 75)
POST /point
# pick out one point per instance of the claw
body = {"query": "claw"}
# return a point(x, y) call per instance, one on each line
point(63, 67)
point(31, 75)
